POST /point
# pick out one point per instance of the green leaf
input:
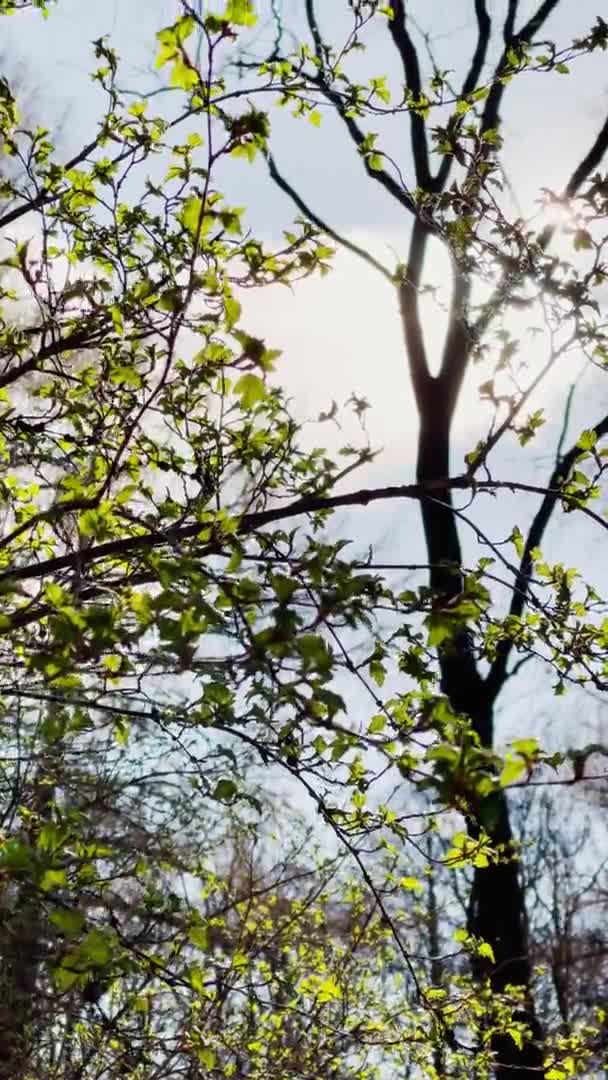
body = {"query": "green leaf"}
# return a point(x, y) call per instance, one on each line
point(16, 855)
point(207, 1057)
point(582, 240)
point(241, 12)
point(121, 731)
point(526, 747)
point(225, 790)
point(442, 627)
point(517, 540)
point(117, 319)
point(191, 214)
point(99, 947)
point(377, 672)
point(513, 770)
point(172, 37)
point(197, 981)
point(199, 937)
point(314, 651)
point(412, 884)
point(69, 920)
point(64, 978)
point(183, 75)
point(329, 990)
point(587, 439)
point(377, 724)
point(250, 388)
point(54, 594)
point(485, 949)
point(53, 879)
point(171, 300)
point(232, 311)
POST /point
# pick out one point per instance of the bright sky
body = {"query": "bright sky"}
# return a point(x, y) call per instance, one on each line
point(342, 334)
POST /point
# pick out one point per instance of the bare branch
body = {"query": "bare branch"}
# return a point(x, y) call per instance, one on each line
point(508, 29)
point(410, 315)
point(457, 343)
point(590, 162)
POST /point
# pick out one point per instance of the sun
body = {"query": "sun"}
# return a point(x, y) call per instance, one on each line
point(555, 212)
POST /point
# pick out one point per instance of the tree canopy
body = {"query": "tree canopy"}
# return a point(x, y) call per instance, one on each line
point(256, 817)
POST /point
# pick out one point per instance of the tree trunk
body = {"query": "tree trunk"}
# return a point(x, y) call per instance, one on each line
point(497, 907)
point(19, 964)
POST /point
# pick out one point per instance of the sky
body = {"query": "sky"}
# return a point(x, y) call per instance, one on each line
point(341, 334)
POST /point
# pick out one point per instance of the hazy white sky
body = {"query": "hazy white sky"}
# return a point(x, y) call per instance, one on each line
point(342, 334)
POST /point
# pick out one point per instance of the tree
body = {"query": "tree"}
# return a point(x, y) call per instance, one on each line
point(461, 203)
point(174, 596)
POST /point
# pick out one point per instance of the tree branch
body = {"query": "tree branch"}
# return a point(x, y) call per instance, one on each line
point(456, 348)
point(590, 162)
point(563, 466)
point(409, 285)
point(484, 29)
point(85, 338)
point(45, 195)
point(411, 70)
point(537, 21)
point(381, 176)
point(513, 275)
point(308, 504)
point(490, 116)
point(304, 207)
point(508, 29)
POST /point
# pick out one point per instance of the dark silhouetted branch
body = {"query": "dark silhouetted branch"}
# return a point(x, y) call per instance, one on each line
point(411, 70)
point(310, 214)
point(250, 523)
